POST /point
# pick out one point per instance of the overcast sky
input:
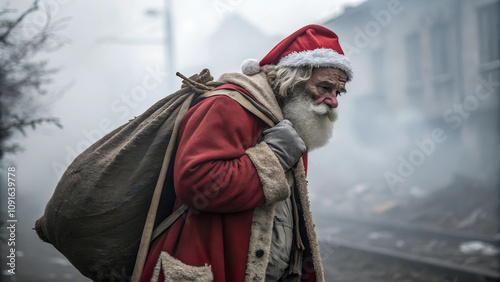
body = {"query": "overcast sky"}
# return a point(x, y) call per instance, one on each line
point(112, 46)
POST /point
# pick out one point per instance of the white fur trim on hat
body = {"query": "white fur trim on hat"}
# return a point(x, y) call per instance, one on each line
point(250, 67)
point(321, 57)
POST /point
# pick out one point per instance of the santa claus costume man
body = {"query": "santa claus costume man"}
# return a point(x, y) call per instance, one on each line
point(244, 182)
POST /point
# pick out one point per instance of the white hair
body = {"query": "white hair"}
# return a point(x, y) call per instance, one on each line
point(284, 80)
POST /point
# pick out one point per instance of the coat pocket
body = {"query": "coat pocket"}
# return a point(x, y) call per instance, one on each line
point(175, 270)
point(275, 268)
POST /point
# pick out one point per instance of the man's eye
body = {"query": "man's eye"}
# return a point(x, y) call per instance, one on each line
point(338, 93)
point(325, 88)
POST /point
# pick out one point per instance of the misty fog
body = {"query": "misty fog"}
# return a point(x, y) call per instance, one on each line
point(417, 139)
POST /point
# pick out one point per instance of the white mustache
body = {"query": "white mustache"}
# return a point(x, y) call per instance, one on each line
point(323, 109)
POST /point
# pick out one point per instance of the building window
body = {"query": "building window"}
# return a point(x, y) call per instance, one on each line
point(441, 45)
point(489, 38)
point(413, 73)
point(441, 48)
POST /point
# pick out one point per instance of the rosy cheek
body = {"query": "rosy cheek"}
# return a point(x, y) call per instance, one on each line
point(326, 98)
point(318, 99)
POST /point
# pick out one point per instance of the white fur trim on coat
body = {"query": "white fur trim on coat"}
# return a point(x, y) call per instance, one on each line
point(321, 57)
point(270, 172)
point(260, 243)
point(275, 186)
point(175, 270)
point(301, 182)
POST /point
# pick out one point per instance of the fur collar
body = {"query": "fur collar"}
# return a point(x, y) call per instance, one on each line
point(258, 87)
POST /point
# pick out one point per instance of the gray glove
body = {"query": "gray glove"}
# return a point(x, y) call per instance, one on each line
point(285, 143)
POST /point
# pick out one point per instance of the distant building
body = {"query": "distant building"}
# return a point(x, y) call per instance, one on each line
point(440, 59)
point(234, 41)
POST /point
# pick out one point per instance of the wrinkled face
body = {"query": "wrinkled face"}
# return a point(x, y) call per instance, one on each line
point(325, 85)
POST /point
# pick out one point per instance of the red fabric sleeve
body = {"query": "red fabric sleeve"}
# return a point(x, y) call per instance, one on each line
point(211, 171)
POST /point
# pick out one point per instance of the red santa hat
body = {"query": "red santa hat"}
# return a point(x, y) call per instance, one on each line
point(312, 45)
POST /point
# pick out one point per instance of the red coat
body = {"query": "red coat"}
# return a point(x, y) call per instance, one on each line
point(217, 174)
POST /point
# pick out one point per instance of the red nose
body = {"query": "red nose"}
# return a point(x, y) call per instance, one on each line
point(331, 101)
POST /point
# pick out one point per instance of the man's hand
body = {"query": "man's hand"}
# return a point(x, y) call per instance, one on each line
point(285, 143)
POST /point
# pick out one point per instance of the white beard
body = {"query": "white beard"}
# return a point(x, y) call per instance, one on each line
point(313, 123)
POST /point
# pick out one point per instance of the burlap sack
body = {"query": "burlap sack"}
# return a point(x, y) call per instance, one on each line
point(97, 212)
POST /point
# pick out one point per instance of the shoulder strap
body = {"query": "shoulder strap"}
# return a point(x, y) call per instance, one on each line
point(165, 224)
point(150, 219)
point(246, 103)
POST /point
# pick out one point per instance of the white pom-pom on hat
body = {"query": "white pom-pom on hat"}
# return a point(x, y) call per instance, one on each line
point(250, 67)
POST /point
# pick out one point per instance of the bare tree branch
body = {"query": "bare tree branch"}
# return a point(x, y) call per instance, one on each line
point(13, 24)
point(22, 79)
